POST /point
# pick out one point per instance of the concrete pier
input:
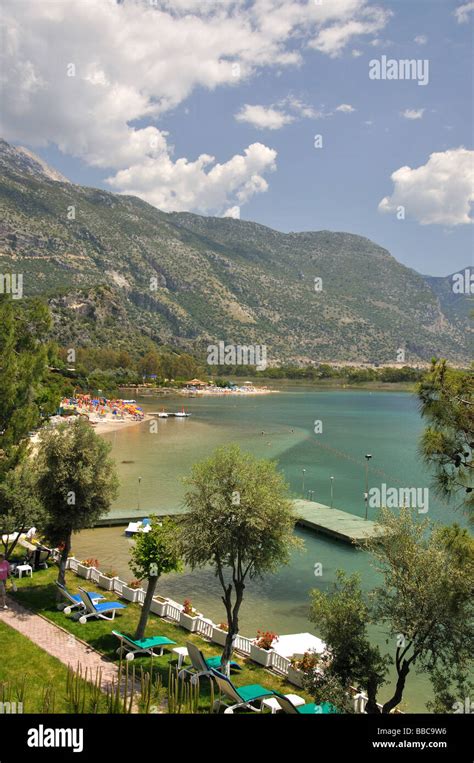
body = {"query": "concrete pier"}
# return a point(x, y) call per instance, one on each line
point(321, 519)
point(337, 524)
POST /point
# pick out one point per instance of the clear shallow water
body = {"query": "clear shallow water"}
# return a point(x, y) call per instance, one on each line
point(385, 424)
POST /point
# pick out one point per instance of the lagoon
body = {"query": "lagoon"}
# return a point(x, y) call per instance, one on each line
point(281, 426)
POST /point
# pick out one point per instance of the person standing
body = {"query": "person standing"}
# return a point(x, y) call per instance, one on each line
point(4, 574)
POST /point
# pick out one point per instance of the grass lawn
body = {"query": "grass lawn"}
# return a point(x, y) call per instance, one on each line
point(39, 594)
point(23, 661)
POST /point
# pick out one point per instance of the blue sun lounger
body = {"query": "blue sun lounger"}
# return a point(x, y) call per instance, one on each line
point(74, 599)
point(105, 610)
point(142, 646)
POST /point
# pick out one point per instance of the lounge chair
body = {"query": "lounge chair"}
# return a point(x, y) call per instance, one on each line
point(74, 599)
point(105, 610)
point(325, 708)
point(241, 696)
point(203, 666)
point(142, 646)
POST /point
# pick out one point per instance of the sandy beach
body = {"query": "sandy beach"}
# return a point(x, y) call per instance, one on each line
point(111, 425)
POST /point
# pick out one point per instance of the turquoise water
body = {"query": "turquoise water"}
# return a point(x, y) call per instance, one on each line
point(278, 426)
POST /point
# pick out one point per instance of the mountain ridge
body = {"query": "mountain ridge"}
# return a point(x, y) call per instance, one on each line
point(119, 270)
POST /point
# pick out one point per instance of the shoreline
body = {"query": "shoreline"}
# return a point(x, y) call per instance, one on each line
point(108, 426)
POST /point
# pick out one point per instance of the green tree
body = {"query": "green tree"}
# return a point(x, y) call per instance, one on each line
point(23, 371)
point(426, 598)
point(186, 367)
point(240, 521)
point(425, 603)
point(342, 617)
point(154, 553)
point(20, 507)
point(325, 686)
point(447, 402)
point(76, 482)
point(150, 364)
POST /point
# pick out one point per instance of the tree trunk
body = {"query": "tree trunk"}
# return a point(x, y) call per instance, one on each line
point(62, 564)
point(232, 621)
point(397, 697)
point(10, 549)
point(371, 706)
point(150, 592)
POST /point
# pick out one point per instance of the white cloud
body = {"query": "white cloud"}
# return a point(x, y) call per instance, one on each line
point(413, 113)
point(421, 39)
point(299, 107)
point(439, 192)
point(463, 11)
point(333, 38)
point(356, 53)
point(136, 61)
point(233, 212)
point(263, 117)
point(277, 115)
point(346, 108)
point(201, 185)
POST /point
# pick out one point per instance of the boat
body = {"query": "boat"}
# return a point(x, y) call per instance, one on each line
point(181, 414)
point(138, 527)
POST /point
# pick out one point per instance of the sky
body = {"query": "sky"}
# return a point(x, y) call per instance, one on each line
point(280, 112)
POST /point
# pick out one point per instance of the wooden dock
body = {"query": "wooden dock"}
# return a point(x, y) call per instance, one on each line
point(334, 523)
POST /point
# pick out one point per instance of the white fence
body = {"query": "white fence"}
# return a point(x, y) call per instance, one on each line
point(205, 627)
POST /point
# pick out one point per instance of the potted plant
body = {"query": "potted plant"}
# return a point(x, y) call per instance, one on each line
point(106, 579)
point(159, 605)
point(189, 616)
point(219, 633)
point(300, 665)
point(261, 648)
point(130, 591)
point(84, 568)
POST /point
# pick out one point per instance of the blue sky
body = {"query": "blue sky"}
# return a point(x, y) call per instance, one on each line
point(370, 129)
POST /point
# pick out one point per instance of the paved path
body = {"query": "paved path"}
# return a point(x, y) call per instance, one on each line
point(57, 642)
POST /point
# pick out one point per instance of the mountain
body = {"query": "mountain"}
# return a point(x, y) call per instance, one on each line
point(457, 306)
point(27, 162)
point(116, 270)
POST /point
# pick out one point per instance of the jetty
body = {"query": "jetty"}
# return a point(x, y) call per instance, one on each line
point(323, 520)
point(334, 523)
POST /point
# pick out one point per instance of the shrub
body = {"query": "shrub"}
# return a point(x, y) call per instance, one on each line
point(265, 639)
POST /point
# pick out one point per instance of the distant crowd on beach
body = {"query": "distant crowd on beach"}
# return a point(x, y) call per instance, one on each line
point(101, 409)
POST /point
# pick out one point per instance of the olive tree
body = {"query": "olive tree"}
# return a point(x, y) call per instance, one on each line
point(425, 605)
point(76, 482)
point(20, 507)
point(240, 521)
point(154, 553)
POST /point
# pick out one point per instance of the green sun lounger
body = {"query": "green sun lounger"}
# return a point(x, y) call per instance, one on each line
point(142, 646)
point(203, 666)
point(325, 708)
point(243, 697)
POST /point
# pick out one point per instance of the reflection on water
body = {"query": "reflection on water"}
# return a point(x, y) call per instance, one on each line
point(151, 467)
